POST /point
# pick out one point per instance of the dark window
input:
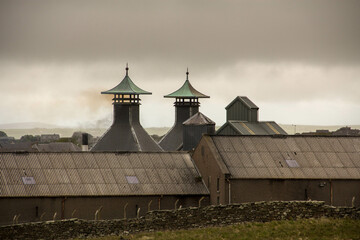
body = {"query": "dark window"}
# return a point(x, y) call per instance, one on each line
point(218, 184)
point(218, 200)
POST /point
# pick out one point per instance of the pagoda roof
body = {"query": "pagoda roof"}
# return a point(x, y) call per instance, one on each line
point(126, 86)
point(186, 91)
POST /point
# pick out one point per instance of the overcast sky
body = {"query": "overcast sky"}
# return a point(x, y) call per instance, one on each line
point(299, 61)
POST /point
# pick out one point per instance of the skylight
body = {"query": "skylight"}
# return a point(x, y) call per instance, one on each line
point(132, 179)
point(292, 163)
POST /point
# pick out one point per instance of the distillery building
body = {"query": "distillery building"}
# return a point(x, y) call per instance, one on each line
point(186, 105)
point(47, 186)
point(242, 118)
point(239, 169)
point(126, 132)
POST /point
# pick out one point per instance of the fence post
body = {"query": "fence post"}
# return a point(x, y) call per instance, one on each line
point(202, 198)
point(149, 205)
point(125, 210)
point(97, 213)
point(42, 215)
point(353, 202)
point(73, 213)
point(176, 202)
point(138, 213)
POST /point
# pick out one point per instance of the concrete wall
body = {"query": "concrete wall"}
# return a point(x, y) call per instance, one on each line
point(210, 171)
point(179, 219)
point(33, 209)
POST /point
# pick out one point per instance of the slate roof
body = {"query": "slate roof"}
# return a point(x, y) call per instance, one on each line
point(244, 100)
point(289, 157)
point(126, 86)
point(57, 147)
point(186, 91)
point(17, 146)
point(98, 174)
point(199, 119)
point(252, 128)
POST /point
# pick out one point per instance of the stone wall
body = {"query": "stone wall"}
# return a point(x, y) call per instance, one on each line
point(178, 219)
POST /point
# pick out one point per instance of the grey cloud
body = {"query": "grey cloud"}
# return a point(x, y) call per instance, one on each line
point(207, 32)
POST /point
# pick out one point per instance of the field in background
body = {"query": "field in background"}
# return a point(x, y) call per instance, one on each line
point(96, 132)
point(323, 228)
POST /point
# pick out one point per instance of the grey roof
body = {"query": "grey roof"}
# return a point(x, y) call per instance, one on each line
point(252, 128)
point(244, 100)
point(126, 137)
point(290, 157)
point(199, 119)
point(57, 147)
point(17, 146)
point(98, 174)
point(173, 139)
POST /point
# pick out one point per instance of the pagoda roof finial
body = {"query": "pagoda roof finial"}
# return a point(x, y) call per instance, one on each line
point(126, 86)
point(186, 90)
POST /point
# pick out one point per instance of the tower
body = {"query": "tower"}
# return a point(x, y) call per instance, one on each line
point(186, 105)
point(126, 132)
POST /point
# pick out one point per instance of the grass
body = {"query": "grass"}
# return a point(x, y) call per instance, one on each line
point(305, 229)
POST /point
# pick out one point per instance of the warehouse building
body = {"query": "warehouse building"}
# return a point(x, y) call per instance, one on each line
point(240, 169)
point(46, 186)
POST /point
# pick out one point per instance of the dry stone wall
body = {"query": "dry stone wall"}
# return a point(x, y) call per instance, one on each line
point(178, 219)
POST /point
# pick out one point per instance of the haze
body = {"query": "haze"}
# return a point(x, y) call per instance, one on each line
point(299, 61)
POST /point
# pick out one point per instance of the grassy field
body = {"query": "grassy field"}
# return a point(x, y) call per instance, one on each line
point(301, 229)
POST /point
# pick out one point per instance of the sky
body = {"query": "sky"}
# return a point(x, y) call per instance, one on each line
point(298, 61)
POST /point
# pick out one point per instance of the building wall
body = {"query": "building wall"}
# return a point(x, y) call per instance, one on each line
point(43, 208)
point(210, 171)
point(333, 192)
point(193, 133)
point(238, 111)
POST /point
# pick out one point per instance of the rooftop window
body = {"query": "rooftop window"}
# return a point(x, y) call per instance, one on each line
point(292, 163)
point(132, 179)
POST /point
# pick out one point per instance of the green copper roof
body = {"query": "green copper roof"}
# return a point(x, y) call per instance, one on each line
point(186, 91)
point(126, 86)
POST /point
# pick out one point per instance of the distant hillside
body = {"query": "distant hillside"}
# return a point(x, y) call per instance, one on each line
point(290, 129)
point(27, 125)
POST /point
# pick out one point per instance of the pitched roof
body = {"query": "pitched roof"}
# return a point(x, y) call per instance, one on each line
point(98, 174)
point(17, 146)
point(290, 157)
point(126, 86)
point(186, 91)
point(244, 100)
point(57, 147)
point(252, 128)
point(199, 119)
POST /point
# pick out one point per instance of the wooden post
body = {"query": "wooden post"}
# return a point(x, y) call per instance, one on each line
point(73, 213)
point(149, 205)
point(97, 213)
point(138, 213)
point(176, 202)
point(125, 210)
point(202, 198)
